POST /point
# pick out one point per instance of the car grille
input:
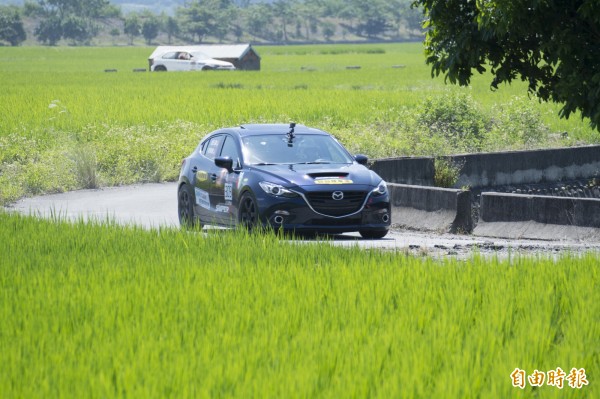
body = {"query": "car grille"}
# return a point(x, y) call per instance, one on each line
point(322, 202)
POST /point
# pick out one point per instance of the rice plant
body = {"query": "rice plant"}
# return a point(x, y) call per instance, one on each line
point(100, 310)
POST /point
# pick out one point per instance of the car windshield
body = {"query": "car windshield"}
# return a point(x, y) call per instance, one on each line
point(303, 148)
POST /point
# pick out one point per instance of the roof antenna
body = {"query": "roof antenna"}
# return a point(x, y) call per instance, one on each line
point(290, 135)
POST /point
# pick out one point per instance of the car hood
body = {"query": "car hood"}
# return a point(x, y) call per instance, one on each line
point(319, 175)
point(213, 62)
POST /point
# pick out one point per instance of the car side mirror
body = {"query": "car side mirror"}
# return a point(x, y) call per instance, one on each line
point(361, 159)
point(225, 163)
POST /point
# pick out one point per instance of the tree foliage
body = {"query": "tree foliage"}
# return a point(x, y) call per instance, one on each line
point(258, 19)
point(553, 45)
point(195, 20)
point(132, 27)
point(150, 29)
point(74, 20)
point(171, 27)
point(200, 18)
point(11, 26)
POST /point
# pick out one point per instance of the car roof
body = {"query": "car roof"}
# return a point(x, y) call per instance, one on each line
point(273, 128)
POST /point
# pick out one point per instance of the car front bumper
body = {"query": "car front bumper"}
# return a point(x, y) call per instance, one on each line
point(298, 214)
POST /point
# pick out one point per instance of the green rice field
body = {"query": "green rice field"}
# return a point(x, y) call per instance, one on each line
point(305, 83)
point(98, 310)
point(64, 118)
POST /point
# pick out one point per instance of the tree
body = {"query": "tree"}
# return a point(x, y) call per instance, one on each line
point(132, 28)
point(552, 45)
point(78, 29)
point(238, 32)
point(373, 17)
point(403, 17)
point(114, 32)
point(308, 12)
point(201, 18)
point(150, 29)
point(69, 19)
point(11, 26)
point(328, 30)
point(49, 30)
point(171, 28)
point(283, 9)
point(259, 17)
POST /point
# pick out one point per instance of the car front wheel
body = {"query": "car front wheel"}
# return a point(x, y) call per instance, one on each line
point(185, 207)
point(373, 234)
point(248, 211)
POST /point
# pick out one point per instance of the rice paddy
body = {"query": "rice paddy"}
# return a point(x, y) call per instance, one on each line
point(100, 310)
point(94, 310)
point(58, 104)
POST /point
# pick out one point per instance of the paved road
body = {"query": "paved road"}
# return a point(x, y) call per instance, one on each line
point(154, 205)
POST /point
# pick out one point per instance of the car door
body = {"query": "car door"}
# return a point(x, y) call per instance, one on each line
point(177, 61)
point(223, 192)
point(205, 172)
point(169, 60)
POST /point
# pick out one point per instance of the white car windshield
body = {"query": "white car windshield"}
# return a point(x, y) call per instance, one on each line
point(302, 149)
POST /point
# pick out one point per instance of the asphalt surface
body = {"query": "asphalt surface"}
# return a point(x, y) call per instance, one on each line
point(155, 205)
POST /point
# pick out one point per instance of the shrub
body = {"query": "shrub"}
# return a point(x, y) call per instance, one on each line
point(85, 166)
point(446, 172)
point(455, 118)
point(516, 124)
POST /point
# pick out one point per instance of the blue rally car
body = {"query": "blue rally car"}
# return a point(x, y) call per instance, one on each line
point(289, 177)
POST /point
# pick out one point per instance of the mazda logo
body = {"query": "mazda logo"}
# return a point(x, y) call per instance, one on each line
point(337, 195)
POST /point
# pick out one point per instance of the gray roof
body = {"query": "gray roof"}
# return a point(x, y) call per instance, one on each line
point(212, 50)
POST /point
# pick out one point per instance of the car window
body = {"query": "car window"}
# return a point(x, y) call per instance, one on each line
point(213, 146)
point(183, 55)
point(301, 149)
point(170, 55)
point(202, 147)
point(230, 149)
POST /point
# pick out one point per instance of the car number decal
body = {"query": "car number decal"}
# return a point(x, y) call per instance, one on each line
point(202, 198)
point(228, 191)
point(333, 181)
point(222, 208)
point(201, 175)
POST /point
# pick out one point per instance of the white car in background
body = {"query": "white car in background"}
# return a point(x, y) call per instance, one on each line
point(188, 61)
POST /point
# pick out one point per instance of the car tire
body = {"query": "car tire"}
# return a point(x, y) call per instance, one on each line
point(248, 216)
point(160, 68)
point(185, 207)
point(373, 234)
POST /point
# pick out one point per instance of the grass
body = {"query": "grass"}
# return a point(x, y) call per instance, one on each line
point(97, 310)
point(67, 124)
point(100, 310)
point(34, 77)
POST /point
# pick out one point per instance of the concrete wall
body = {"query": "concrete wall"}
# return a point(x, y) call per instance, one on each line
point(539, 217)
point(499, 168)
point(521, 167)
point(405, 170)
point(431, 208)
point(500, 207)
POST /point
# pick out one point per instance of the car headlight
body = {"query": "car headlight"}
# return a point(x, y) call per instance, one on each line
point(276, 189)
point(381, 189)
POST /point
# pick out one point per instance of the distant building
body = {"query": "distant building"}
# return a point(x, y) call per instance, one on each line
point(242, 56)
